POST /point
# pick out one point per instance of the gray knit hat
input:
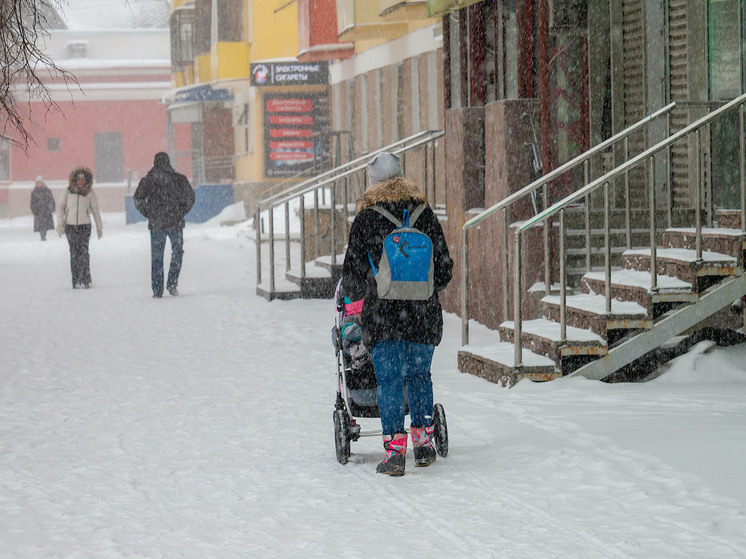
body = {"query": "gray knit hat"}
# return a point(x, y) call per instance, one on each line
point(384, 166)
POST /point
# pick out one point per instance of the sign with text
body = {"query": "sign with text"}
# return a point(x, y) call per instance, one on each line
point(289, 73)
point(296, 127)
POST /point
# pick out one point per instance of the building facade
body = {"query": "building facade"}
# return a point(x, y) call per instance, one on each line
point(530, 84)
point(112, 120)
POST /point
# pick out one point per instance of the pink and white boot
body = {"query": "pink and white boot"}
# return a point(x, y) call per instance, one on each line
point(396, 453)
point(422, 445)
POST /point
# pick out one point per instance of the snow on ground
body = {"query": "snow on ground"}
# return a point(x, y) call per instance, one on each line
point(201, 427)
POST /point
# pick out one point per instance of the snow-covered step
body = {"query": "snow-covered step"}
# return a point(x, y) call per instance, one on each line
point(496, 363)
point(544, 337)
point(683, 264)
point(635, 285)
point(722, 240)
point(587, 311)
point(318, 283)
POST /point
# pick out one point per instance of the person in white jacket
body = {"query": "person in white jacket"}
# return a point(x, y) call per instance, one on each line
point(74, 220)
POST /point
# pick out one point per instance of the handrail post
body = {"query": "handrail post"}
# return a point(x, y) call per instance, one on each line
point(302, 216)
point(653, 255)
point(547, 262)
point(333, 221)
point(743, 167)
point(506, 268)
point(316, 226)
point(258, 225)
point(562, 278)
point(669, 185)
point(627, 203)
point(464, 287)
point(698, 204)
point(586, 180)
point(287, 236)
point(271, 221)
point(517, 341)
point(426, 186)
point(707, 149)
point(607, 246)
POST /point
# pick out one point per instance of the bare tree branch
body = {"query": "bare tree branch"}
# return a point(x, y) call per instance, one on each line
point(24, 25)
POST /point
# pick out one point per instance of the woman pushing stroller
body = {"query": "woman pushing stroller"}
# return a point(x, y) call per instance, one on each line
point(401, 334)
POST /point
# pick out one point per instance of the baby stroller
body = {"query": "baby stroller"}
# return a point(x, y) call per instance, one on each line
point(357, 390)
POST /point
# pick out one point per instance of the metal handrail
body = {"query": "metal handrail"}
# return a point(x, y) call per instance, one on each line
point(527, 190)
point(332, 173)
point(604, 181)
point(329, 180)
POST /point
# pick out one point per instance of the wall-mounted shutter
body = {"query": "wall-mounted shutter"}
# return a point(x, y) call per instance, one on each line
point(678, 72)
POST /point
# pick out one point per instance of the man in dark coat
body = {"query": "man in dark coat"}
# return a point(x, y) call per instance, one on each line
point(164, 197)
point(42, 206)
point(401, 334)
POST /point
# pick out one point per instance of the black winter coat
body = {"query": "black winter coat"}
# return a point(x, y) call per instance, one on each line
point(413, 321)
point(164, 197)
point(42, 206)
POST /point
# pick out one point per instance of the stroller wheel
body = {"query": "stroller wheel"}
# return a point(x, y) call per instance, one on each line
point(441, 430)
point(342, 435)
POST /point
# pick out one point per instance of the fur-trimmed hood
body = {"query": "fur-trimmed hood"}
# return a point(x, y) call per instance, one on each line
point(392, 190)
point(72, 184)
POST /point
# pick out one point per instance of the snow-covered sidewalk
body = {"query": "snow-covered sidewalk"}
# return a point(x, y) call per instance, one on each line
point(201, 427)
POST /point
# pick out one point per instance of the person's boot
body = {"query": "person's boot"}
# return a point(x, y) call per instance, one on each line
point(396, 453)
point(422, 445)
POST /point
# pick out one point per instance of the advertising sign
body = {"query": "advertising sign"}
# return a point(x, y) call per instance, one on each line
point(296, 127)
point(289, 73)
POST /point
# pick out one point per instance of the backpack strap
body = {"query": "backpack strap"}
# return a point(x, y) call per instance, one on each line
point(387, 214)
point(416, 213)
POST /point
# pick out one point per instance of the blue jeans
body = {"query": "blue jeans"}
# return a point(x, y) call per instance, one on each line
point(157, 247)
point(398, 364)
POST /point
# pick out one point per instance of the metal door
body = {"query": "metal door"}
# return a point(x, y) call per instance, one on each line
point(109, 163)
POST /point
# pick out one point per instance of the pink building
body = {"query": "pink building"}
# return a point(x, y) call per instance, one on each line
point(113, 121)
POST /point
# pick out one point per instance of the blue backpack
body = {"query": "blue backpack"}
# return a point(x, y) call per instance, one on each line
point(405, 270)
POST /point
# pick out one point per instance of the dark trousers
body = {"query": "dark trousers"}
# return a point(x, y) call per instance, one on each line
point(399, 364)
point(157, 248)
point(78, 237)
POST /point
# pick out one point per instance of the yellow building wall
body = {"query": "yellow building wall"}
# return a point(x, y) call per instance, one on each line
point(274, 33)
point(229, 61)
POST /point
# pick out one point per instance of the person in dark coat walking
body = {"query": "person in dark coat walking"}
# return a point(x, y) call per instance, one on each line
point(42, 206)
point(164, 197)
point(401, 334)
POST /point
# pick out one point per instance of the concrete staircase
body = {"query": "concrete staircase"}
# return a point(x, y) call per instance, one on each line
point(690, 294)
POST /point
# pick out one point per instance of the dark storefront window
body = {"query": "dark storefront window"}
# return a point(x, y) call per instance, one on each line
point(726, 32)
point(725, 49)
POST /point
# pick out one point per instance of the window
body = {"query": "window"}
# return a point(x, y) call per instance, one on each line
point(182, 38)
point(202, 23)
point(53, 144)
point(725, 49)
point(229, 21)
